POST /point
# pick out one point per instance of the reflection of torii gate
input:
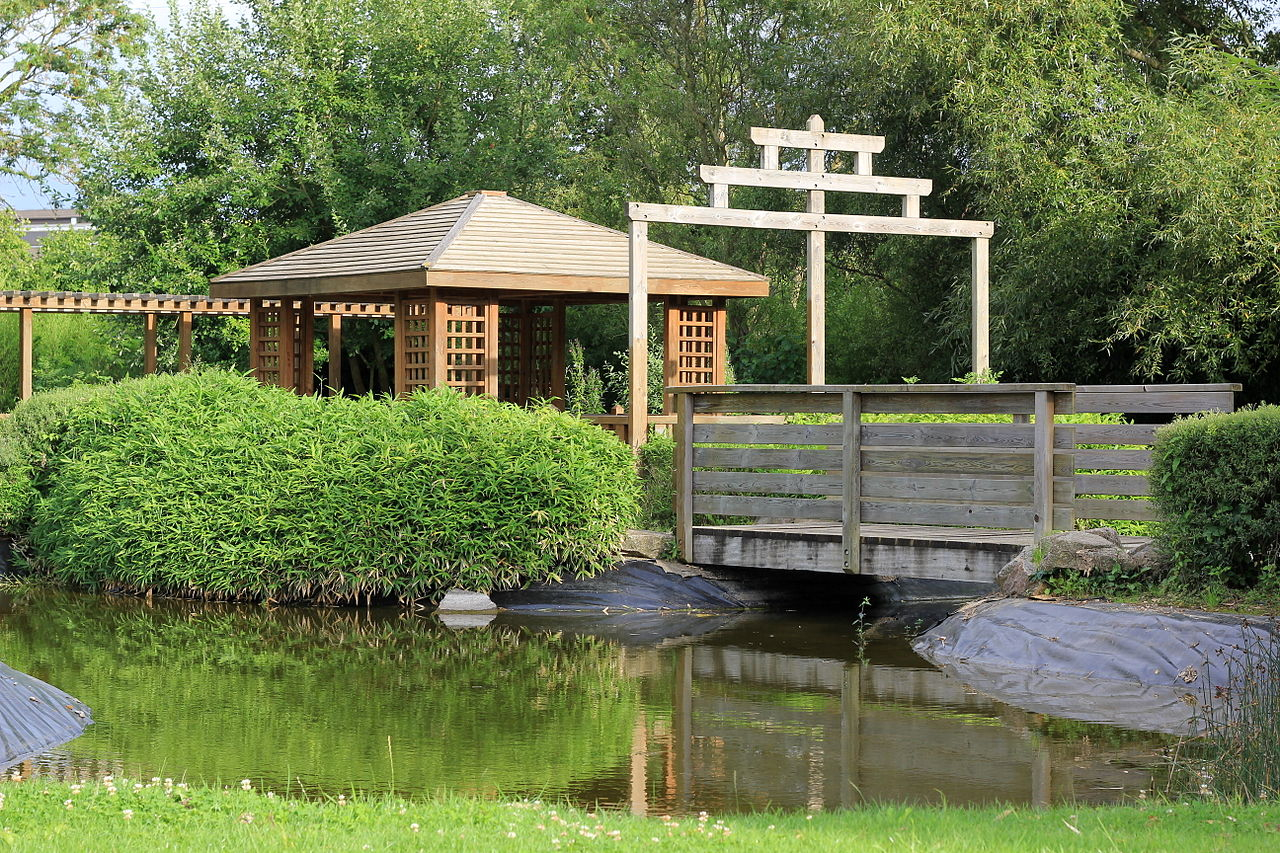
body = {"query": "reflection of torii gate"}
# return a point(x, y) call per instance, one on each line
point(815, 221)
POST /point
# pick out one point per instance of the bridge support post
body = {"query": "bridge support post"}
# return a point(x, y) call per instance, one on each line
point(684, 475)
point(1042, 479)
point(851, 482)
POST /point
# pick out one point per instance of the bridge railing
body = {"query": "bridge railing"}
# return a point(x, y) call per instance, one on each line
point(843, 468)
point(854, 454)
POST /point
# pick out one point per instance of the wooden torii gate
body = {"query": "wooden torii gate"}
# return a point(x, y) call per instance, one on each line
point(816, 181)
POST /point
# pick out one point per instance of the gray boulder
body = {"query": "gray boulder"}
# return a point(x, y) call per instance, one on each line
point(1076, 551)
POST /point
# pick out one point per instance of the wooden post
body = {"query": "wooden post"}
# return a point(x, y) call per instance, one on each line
point(305, 380)
point(335, 354)
point(638, 325)
point(185, 320)
point(816, 269)
point(491, 312)
point(149, 355)
point(438, 336)
point(683, 465)
point(1042, 481)
point(768, 157)
point(26, 354)
point(981, 271)
point(670, 349)
point(851, 480)
point(721, 345)
point(558, 354)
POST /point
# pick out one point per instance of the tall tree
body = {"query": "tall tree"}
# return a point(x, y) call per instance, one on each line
point(56, 58)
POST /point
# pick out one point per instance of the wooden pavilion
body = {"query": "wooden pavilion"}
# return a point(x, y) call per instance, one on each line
point(480, 284)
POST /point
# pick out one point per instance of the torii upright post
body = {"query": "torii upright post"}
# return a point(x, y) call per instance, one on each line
point(638, 324)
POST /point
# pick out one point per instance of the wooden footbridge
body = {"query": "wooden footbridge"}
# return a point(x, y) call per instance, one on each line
point(862, 479)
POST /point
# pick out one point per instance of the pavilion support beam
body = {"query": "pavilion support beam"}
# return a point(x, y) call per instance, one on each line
point(185, 319)
point(335, 354)
point(26, 354)
point(670, 349)
point(980, 256)
point(492, 311)
point(816, 269)
point(559, 352)
point(150, 357)
point(638, 327)
point(305, 377)
point(438, 337)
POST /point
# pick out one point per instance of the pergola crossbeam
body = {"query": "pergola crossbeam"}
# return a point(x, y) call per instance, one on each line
point(683, 214)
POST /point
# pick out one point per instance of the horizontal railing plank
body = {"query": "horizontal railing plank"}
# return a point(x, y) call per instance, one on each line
point(820, 434)
point(1089, 459)
point(1010, 490)
point(956, 514)
point(1115, 433)
point(766, 482)
point(956, 461)
point(1121, 510)
point(755, 507)
point(1128, 485)
point(1155, 402)
point(766, 457)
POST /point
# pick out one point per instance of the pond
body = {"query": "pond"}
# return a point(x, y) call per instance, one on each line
point(658, 714)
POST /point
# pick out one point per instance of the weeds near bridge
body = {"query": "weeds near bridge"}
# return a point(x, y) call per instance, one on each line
point(1237, 756)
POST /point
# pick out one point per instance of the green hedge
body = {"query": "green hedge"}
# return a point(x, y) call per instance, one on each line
point(210, 484)
point(1215, 479)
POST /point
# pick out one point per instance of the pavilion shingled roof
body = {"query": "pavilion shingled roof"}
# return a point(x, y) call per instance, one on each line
point(483, 240)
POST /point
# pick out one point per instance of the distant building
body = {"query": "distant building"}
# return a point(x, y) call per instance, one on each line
point(38, 224)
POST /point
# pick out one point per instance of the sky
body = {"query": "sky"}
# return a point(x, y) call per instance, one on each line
point(22, 194)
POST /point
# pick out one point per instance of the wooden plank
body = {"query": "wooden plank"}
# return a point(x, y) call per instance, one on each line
point(1042, 476)
point(824, 140)
point(1113, 460)
point(399, 358)
point(1113, 484)
point(980, 302)
point(1116, 433)
point(818, 180)
point(958, 461)
point(767, 482)
point(1120, 509)
point(720, 341)
point(491, 311)
point(904, 388)
point(755, 457)
point(304, 382)
point(638, 327)
point(1137, 389)
point(559, 347)
point(1155, 402)
point(959, 435)
point(731, 433)
point(1012, 490)
point(26, 354)
point(755, 507)
point(185, 320)
point(991, 402)
point(766, 404)
point(683, 465)
point(437, 338)
point(670, 348)
point(769, 157)
point(851, 475)
point(963, 514)
point(335, 353)
point(150, 357)
point(816, 271)
point(788, 221)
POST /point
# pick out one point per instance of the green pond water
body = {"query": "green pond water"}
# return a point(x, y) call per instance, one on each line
point(656, 714)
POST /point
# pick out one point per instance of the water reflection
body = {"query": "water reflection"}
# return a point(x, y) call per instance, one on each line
point(659, 714)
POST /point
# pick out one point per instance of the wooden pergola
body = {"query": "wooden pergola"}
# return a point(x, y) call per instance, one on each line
point(479, 286)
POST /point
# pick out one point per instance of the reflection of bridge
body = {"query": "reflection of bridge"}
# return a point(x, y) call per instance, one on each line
point(948, 500)
point(752, 728)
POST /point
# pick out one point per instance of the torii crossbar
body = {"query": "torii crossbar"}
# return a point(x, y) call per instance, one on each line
point(816, 181)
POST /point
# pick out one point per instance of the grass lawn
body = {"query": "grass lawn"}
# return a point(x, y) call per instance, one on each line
point(123, 815)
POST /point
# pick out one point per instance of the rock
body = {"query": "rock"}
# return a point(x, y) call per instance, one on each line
point(650, 544)
point(1015, 579)
point(1150, 559)
point(465, 601)
point(1107, 533)
point(1082, 551)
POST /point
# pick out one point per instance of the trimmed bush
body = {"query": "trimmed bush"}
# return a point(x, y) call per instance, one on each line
point(209, 484)
point(1215, 479)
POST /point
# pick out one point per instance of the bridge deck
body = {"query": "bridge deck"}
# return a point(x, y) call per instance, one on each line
point(899, 550)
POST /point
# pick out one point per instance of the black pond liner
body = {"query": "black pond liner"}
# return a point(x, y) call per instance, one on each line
point(633, 585)
point(35, 717)
point(1135, 667)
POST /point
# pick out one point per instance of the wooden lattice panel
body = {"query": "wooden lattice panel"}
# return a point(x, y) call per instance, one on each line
point(471, 347)
point(414, 338)
point(530, 353)
point(695, 347)
point(271, 343)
